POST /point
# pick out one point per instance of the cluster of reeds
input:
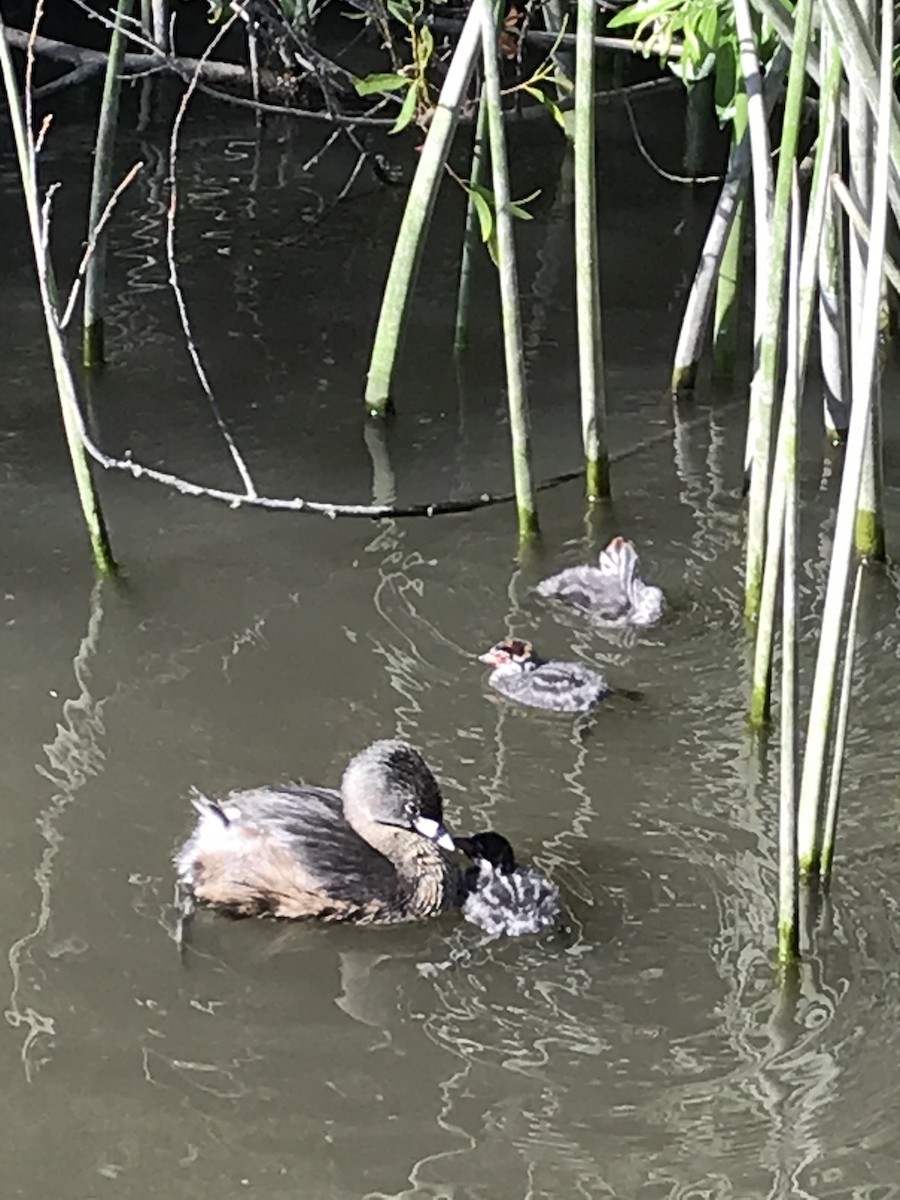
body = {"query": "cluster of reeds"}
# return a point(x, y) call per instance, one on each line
point(492, 210)
point(800, 255)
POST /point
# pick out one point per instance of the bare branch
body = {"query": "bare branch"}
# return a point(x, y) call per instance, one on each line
point(219, 72)
point(173, 265)
point(651, 162)
point(71, 78)
point(323, 508)
point(89, 249)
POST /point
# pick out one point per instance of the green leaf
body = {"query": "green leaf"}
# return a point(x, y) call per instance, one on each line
point(551, 106)
point(692, 51)
point(485, 213)
point(380, 83)
point(401, 11)
point(708, 27)
point(424, 47)
point(516, 207)
point(642, 12)
point(492, 248)
point(407, 112)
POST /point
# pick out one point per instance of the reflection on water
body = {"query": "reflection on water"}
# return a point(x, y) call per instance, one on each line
point(642, 1049)
point(75, 756)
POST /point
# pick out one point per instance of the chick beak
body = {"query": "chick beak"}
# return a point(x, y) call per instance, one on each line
point(434, 831)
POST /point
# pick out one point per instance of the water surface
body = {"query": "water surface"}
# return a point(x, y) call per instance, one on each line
point(641, 1051)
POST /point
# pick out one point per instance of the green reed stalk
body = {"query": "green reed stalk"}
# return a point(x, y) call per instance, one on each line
point(472, 235)
point(810, 824)
point(833, 323)
point(806, 283)
point(726, 318)
point(65, 385)
point(591, 370)
point(695, 319)
point(859, 223)
point(761, 151)
point(417, 217)
point(769, 334)
point(840, 736)
point(788, 884)
point(101, 187)
point(860, 57)
point(695, 322)
point(509, 286)
point(869, 529)
point(861, 63)
point(832, 299)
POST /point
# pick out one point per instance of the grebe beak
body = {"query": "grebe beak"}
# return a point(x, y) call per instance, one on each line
point(434, 831)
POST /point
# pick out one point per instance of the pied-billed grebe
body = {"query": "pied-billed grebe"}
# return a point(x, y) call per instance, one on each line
point(502, 897)
point(371, 852)
point(613, 591)
point(522, 675)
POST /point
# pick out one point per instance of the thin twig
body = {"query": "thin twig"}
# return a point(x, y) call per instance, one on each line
point(534, 112)
point(646, 156)
point(286, 110)
point(173, 266)
point(89, 249)
point(29, 72)
point(297, 504)
point(553, 39)
point(350, 182)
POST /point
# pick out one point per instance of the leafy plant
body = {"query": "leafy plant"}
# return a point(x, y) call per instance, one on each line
point(695, 37)
point(413, 77)
point(486, 208)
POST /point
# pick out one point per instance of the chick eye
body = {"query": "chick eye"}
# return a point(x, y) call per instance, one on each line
point(409, 810)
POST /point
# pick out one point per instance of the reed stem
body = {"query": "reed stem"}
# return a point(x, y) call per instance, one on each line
point(768, 335)
point(509, 287)
point(587, 267)
point(417, 217)
point(93, 348)
point(869, 526)
point(788, 886)
point(832, 805)
point(810, 824)
point(25, 152)
point(726, 319)
point(806, 284)
point(761, 152)
point(697, 311)
point(472, 235)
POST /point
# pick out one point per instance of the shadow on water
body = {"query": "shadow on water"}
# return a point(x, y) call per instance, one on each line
point(642, 1050)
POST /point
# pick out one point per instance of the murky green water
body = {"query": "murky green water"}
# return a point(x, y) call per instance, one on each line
point(641, 1052)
